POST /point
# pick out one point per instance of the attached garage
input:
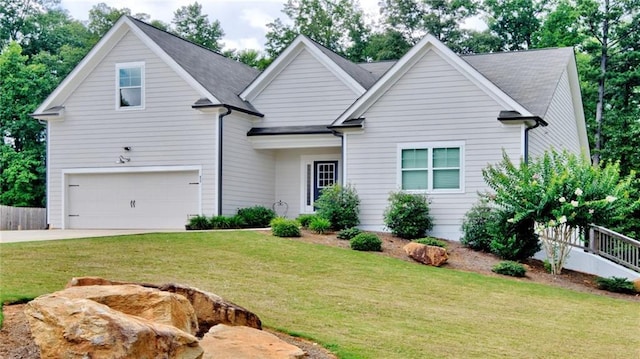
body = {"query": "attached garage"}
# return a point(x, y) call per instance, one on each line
point(143, 199)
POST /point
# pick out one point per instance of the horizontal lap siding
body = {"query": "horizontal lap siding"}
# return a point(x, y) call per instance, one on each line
point(304, 93)
point(168, 132)
point(415, 110)
point(248, 175)
point(562, 132)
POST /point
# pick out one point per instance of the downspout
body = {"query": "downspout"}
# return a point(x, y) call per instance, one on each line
point(220, 146)
point(526, 139)
point(514, 117)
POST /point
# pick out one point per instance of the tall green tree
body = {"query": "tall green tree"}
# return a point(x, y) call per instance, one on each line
point(15, 16)
point(337, 24)
point(440, 18)
point(23, 86)
point(251, 57)
point(560, 28)
point(612, 26)
point(515, 21)
point(102, 17)
point(190, 23)
point(387, 45)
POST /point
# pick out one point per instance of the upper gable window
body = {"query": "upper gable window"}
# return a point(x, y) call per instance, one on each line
point(130, 85)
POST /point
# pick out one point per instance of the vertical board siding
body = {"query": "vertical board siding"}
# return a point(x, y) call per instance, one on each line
point(248, 174)
point(304, 93)
point(431, 102)
point(22, 218)
point(168, 132)
point(562, 129)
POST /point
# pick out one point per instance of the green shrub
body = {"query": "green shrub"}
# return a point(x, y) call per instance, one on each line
point(198, 223)
point(510, 268)
point(320, 225)
point(283, 227)
point(305, 219)
point(430, 241)
point(475, 226)
point(616, 284)
point(339, 205)
point(236, 222)
point(366, 242)
point(408, 215)
point(256, 216)
point(220, 222)
point(513, 241)
point(349, 233)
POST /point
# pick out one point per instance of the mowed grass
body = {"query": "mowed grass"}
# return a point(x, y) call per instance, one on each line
point(360, 305)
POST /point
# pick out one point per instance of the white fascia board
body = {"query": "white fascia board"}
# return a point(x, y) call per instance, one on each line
point(428, 43)
point(86, 65)
point(294, 141)
point(173, 64)
point(286, 57)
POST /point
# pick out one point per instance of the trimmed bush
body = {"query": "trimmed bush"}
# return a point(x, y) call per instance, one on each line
point(408, 215)
point(256, 216)
point(283, 227)
point(475, 226)
point(339, 205)
point(366, 242)
point(349, 233)
point(198, 223)
point(305, 219)
point(616, 284)
point(513, 241)
point(320, 225)
point(430, 241)
point(509, 268)
point(220, 222)
point(236, 222)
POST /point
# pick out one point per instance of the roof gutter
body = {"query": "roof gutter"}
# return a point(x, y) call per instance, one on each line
point(514, 117)
point(200, 105)
point(220, 147)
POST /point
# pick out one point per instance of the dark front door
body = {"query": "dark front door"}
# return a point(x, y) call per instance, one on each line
point(325, 174)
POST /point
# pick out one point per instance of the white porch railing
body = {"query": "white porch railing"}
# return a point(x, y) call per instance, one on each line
point(614, 246)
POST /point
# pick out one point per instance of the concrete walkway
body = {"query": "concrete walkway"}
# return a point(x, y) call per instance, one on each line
point(56, 234)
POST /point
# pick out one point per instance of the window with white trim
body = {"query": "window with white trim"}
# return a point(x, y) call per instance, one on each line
point(433, 166)
point(130, 85)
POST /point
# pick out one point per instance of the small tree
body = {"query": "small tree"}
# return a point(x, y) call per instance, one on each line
point(408, 215)
point(561, 193)
point(339, 205)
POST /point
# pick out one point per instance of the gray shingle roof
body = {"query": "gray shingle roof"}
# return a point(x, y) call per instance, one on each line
point(377, 68)
point(221, 76)
point(529, 77)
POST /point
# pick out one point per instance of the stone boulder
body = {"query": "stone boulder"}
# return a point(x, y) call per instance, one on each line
point(211, 309)
point(81, 328)
point(636, 284)
point(429, 255)
point(229, 342)
point(148, 303)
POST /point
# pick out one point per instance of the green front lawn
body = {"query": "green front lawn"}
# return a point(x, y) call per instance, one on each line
point(360, 305)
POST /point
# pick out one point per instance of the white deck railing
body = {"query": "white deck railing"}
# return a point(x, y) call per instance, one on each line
point(614, 246)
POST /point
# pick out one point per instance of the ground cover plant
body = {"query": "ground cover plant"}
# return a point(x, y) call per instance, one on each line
point(342, 298)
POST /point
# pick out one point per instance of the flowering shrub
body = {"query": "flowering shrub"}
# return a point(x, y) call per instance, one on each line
point(561, 192)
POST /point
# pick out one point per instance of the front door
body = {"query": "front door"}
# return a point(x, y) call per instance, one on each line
point(325, 174)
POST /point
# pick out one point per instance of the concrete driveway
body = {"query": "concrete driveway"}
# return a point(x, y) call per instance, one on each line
point(55, 234)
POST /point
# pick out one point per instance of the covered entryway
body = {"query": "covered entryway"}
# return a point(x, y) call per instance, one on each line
point(129, 200)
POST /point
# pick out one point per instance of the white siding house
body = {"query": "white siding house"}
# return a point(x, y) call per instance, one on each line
point(150, 129)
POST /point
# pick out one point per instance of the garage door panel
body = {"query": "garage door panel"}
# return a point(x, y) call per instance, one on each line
point(132, 200)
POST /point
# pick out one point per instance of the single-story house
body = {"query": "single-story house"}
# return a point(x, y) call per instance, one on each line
point(150, 129)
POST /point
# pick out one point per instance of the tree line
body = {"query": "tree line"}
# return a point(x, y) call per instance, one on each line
point(41, 43)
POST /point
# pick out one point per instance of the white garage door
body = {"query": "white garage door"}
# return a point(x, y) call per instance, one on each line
point(146, 200)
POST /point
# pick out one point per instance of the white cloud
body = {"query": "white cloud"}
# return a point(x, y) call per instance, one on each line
point(242, 44)
point(257, 18)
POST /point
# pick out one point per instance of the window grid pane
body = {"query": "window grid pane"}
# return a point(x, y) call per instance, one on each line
point(130, 86)
point(443, 174)
point(325, 175)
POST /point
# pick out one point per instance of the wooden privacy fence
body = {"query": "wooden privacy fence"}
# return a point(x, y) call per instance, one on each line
point(19, 218)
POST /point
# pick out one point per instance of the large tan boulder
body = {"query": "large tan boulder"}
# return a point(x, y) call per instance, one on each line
point(636, 284)
point(212, 309)
point(229, 342)
point(148, 303)
point(429, 255)
point(81, 328)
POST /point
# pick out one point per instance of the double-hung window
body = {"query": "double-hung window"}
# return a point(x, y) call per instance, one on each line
point(130, 85)
point(433, 167)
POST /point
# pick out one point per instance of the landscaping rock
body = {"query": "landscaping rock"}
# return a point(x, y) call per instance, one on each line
point(81, 328)
point(636, 284)
point(151, 304)
point(229, 342)
point(83, 281)
point(429, 255)
point(211, 309)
